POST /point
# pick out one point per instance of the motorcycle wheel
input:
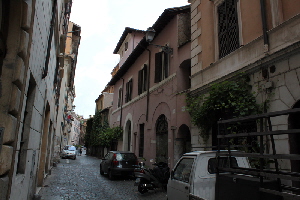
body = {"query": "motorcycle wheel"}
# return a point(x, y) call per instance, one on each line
point(141, 189)
point(101, 171)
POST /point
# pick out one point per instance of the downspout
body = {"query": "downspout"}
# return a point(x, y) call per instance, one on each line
point(121, 102)
point(264, 25)
point(148, 85)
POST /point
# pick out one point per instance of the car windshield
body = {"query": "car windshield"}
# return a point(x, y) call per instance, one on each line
point(70, 148)
point(125, 156)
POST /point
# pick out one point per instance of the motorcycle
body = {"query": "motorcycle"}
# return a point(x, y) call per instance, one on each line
point(149, 179)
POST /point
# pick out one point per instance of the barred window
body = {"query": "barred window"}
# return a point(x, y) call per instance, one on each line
point(228, 27)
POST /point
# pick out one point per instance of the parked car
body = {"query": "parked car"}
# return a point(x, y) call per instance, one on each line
point(69, 152)
point(194, 177)
point(116, 163)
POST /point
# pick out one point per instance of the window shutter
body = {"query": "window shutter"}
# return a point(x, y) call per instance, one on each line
point(166, 64)
point(145, 77)
point(127, 92)
point(130, 90)
point(140, 82)
point(158, 67)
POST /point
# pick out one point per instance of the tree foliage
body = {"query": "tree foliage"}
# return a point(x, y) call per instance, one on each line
point(227, 99)
point(98, 132)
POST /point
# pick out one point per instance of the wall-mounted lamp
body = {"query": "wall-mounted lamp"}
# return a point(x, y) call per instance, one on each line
point(150, 33)
point(61, 55)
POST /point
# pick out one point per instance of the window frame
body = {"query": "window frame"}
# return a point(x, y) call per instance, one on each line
point(217, 3)
point(162, 65)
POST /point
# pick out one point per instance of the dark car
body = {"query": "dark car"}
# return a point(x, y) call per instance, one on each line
point(118, 163)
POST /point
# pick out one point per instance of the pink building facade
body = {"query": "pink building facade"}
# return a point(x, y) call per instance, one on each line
point(150, 91)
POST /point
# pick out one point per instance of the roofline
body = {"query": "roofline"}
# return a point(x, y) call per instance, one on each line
point(123, 37)
point(158, 26)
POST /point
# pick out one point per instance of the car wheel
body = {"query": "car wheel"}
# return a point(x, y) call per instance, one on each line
point(110, 175)
point(74, 158)
point(141, 189)
point(101, 171)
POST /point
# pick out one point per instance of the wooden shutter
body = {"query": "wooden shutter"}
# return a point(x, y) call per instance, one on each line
point(166, 64)
point(145, 69)
point(158, 67)
point(129, 90)
point(140, 82)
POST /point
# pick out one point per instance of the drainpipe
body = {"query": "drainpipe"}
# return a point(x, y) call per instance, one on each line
point(264, 25)
point(121, 102)
point(148, 85)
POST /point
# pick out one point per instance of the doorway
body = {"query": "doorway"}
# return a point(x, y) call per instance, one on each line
point(162, 139)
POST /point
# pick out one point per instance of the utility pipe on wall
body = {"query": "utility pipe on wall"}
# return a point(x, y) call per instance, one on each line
point(148, 84)
point(122, 102)
point(264, 25)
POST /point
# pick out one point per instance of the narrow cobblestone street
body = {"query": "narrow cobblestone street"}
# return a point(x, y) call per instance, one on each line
point(80, 179)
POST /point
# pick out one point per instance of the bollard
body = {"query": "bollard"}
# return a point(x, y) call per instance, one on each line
point(67, 161)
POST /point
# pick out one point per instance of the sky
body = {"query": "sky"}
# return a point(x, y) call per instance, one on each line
point(102, 23)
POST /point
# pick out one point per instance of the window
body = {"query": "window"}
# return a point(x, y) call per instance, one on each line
point(128, 96)
point(25, 135)
point(120, 97)
point(161, 66)
point(183, 170)
point(223, 163)
point(143, 79)
point(126, 46)
point(228, 27)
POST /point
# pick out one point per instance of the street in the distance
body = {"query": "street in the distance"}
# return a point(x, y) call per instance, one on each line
point(80, 179)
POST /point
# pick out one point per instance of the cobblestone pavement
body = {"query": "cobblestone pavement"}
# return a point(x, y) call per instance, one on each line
point(80, 179)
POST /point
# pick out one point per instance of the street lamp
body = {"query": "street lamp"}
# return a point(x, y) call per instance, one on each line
point(150, 33)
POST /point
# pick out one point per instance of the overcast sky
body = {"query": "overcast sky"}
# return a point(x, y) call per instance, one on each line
point(102, 23)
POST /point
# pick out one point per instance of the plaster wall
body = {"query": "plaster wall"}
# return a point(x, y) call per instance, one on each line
point(133, 39)
point(164, 97)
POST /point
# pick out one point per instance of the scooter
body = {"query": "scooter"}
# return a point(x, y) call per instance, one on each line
point(149, 179)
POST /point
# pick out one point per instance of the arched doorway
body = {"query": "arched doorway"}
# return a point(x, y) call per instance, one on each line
point(182, 142)
point(294, 141)
point(162, 139)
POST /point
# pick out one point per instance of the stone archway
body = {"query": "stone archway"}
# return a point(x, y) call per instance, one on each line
point(127, 137)
point(162, 139)
point(182, 143)
point(294, 141)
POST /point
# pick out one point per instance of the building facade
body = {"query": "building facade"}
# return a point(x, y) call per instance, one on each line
point(32, 38)
point(149, 96)
point(260, 39)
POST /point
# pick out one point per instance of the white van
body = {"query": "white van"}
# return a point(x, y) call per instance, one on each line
point(194, 175)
